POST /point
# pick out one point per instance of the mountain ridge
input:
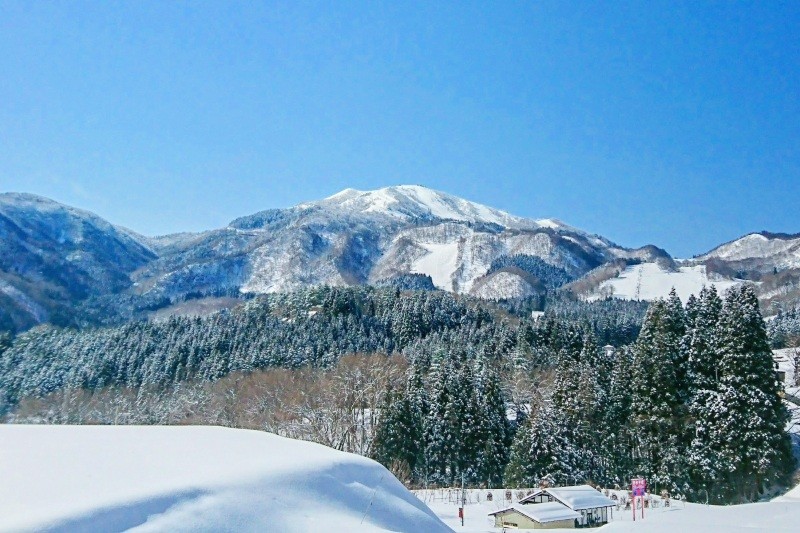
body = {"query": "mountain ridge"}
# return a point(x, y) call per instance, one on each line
point(353, 237)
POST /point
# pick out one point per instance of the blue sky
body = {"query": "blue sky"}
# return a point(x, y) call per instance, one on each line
point(672, 123)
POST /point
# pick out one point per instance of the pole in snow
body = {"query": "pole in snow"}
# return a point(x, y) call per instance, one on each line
point(463, 501)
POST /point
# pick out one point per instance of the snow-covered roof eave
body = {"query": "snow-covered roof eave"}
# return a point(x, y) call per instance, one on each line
point(597, 499)
point(564, 513)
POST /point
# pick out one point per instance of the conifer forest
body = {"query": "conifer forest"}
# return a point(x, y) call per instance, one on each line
point(440, 387)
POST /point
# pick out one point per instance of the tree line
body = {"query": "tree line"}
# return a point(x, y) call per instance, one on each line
point(692, 406)
point(440, 387)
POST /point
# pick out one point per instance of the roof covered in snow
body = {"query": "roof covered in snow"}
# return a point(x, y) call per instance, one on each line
point(543, 512)
point(576, 498)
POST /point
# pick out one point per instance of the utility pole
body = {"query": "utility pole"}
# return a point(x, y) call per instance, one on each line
point(463, 500)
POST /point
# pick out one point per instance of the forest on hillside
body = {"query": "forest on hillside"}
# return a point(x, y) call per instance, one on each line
point(438, 386)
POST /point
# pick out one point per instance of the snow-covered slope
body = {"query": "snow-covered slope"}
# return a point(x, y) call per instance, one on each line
point(780, 250)
point(361, 237)
point(772, 517)
point(417, 202)
point(192, 478)
point(53, 256)
point(648, 281)
point(93, 271)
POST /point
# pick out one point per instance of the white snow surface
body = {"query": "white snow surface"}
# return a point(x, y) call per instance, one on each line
point(782, 515)
point(502, 285)
point(439, 263)
point(648, 281)
point(193, 478)
point(410, 201)
point(771, 517)
point(756, 245)
point(545, 512)
point(578, 497)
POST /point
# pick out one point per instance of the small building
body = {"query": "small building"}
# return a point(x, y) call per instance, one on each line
point(592, 505)
point(543, 516)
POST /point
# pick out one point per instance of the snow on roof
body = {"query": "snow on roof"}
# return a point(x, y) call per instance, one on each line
point(543, 512)
point(576, 498)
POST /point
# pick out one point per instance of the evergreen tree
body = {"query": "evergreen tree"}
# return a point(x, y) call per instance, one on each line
point(707, 466)
point(617, 443)
point(520, 471)
point(657, 410)
point(494, 429)
point(440, 428)
point(751, 415)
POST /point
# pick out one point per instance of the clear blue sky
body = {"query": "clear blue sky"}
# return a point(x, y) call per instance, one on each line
point(671, 123)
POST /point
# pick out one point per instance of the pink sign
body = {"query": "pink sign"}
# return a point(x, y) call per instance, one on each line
point(638, 486)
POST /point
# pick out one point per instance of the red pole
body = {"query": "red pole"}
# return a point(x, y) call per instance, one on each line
point(634, 507)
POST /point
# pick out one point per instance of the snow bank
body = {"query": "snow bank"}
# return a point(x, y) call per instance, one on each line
point(193, 478)
point(775, 517)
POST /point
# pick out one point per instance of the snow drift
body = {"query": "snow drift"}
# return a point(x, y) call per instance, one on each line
point(193, 478)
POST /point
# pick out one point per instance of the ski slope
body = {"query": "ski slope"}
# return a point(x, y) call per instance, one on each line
point(439, 263)
point(648, 281)
point(194, 478)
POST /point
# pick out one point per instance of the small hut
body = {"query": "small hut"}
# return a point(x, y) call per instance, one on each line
point(590, 503)
point(543, 516)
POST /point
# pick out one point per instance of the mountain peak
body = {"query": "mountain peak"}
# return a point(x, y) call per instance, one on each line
point(783, 247)
point(417, 201)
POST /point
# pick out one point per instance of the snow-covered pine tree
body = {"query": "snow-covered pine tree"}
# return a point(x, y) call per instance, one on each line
point(751, 415)
point(398, 443)
point(438, 428)
point(707, 467)
point(657, 411)
point(676, 325)
point(616, 444)
point(520, 470)
point(700, 341)
point(495, 429)
point(553, 451)
point(465, 414)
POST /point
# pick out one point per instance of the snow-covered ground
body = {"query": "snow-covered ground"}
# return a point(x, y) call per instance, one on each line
point(193, 478)
point(781, 515)
point(771, 517)
point(439, 263)
point(649, 281)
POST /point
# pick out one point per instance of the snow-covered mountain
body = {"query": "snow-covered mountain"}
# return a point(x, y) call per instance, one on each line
point(66, 265)
point(414, 202)
point(770, 259)
point(765, 250)
point(648, 281)
point(371, 237)
point(52, 255)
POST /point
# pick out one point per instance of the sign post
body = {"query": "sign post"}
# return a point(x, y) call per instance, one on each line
point(463, 501)
point(638, 487)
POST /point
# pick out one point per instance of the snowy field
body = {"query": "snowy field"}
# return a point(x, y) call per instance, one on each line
point(779, 516)
point(649, 281)
point(193, 478)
